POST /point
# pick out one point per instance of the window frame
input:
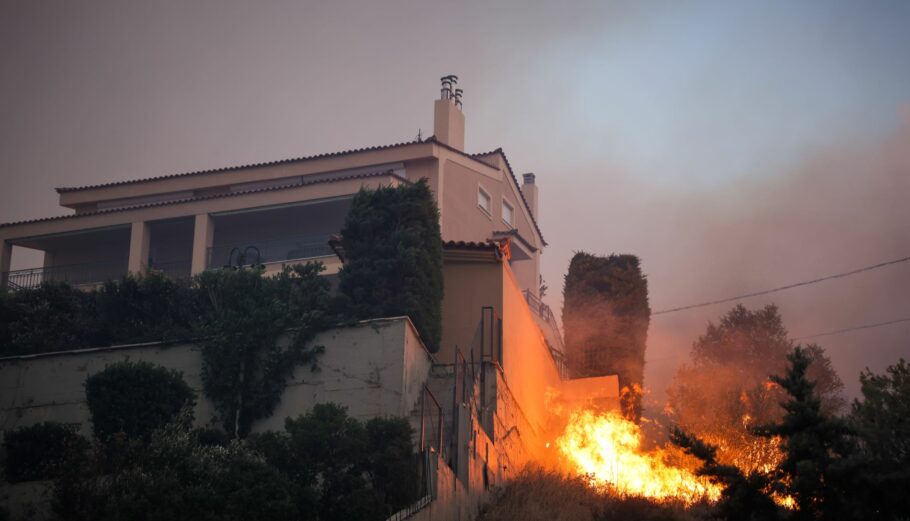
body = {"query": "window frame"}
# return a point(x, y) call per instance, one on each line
point(481, 191)
point(508, 204)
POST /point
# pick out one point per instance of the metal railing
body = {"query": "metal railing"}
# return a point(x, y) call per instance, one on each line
point(261, 252)
point(90, 273)
point(542, 310)
point(431, 435)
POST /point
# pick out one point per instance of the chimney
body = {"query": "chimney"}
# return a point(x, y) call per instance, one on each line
point(529, 191)
point(448, 120)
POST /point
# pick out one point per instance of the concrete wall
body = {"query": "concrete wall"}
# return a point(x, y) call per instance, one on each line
point(375, 368)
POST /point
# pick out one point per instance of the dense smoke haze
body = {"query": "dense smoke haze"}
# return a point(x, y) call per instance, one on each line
point(843, 206)
point(733, 147)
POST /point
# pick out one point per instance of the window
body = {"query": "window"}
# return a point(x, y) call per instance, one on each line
point(508, 213)
point(484, 201)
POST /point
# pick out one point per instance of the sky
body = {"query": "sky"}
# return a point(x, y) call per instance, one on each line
point(733, 146)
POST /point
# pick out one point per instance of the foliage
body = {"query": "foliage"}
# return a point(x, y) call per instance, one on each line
point(393, 258)
point(244, 316)
point(36, 452)
point(135, 398)
point(146, 307)
point(605, 317)
point(344, 469)
point(880, 420)
point(816, 469)
point(176, 478)
point(727, 389)
point(51, 317)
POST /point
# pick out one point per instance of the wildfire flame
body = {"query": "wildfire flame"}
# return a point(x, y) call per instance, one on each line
point(606, 449)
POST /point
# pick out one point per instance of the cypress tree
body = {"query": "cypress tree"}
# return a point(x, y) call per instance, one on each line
point(393, 258)
point(605, 317)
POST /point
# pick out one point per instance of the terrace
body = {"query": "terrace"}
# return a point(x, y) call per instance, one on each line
point(271, 236)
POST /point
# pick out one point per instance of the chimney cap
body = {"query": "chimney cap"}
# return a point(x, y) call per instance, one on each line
point(529, 178)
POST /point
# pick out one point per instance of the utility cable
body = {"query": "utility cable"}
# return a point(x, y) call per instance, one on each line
point(854, 328)
point(782, 288)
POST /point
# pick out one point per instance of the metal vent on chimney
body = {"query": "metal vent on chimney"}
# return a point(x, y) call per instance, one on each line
point(449, 92)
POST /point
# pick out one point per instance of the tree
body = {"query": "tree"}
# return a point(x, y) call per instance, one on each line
point(605, 317)
point(393, 258)
point(880, 420)
point(726, 389)
point(816, 467)
point(244, 317)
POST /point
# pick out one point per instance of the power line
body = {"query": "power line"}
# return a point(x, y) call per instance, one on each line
point(782, 288)
point(854, 328)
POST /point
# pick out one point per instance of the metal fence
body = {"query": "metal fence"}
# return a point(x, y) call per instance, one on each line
point(261, 252)
point(89, 273)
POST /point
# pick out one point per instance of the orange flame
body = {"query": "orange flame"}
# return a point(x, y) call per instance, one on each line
point(605, 448)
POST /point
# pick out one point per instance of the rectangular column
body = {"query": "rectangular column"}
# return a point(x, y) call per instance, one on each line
point(6, 258)
point(203, 233)
point(139, 248)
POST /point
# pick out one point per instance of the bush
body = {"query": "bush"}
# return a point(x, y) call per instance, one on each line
point(176, 478)
point(393, 258)
point(144, 308)
point(36, 452)
point(344, 469)
point(135, 398)
point(52, 317)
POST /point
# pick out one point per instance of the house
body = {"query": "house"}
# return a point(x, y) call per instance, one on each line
point(487, 389)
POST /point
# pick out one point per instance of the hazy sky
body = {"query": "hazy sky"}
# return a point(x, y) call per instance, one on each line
point(733, 146)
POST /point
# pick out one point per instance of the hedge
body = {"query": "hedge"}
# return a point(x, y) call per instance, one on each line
point(37, 452)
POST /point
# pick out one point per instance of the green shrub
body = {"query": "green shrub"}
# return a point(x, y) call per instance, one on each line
point(135, 398)
point(175, 478)
point(52, 317)
point(36, 452)
point(344, 469)
point(144, 308)
point(393, 258)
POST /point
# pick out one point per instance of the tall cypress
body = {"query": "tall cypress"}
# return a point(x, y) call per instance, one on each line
point(393, 257)
point(606, 316)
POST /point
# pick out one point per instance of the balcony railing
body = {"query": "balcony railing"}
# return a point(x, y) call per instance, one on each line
point(262, 252)
point(546, 314)
point(85, 274)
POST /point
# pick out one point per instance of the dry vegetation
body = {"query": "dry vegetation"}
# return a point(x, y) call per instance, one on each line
point(540, 495)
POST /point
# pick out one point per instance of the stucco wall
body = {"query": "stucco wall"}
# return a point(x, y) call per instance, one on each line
point(375, 368)
point(469, 286)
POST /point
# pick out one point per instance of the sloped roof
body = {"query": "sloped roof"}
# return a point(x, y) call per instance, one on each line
point(212, 196)
point(241, 167)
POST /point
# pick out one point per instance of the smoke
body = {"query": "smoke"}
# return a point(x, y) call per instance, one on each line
point(843, 206)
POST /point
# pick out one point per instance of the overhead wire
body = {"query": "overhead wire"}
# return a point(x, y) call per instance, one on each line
point(782, 288)
point(854, 328)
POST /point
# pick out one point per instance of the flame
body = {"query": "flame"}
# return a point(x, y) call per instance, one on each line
point(605, 448)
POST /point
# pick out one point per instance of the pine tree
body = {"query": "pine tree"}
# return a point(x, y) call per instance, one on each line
point(816, 468)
